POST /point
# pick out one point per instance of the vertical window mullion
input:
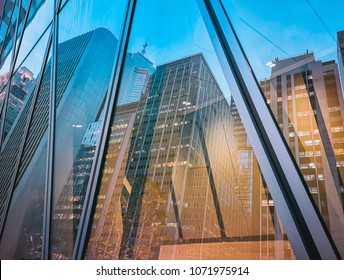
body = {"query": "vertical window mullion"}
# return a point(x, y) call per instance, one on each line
point(51, 135)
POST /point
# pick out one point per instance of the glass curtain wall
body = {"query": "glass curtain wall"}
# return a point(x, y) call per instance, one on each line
point(121, 136)
point(180, 179)
point(295, 55)
point(24, 153)
point(87, 41)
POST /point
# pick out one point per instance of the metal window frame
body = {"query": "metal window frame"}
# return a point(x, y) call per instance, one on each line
point(8, 27)
point(15, 50)
point(306, 230)
point(48, 195)
point(26, 132)
point(12, 64)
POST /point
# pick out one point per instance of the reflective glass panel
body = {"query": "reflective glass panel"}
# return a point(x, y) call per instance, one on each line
point(23, 82)
point(6, 14)
point(180, 178)
point(22, 236)
point(10, 34)
point(39, 18)
point(5, 75)
point(88, 35)
point(297, 56)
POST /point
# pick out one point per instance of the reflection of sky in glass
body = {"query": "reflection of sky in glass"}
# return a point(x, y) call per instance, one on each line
point(293, 26)
point(33, 31)
point(95, 14)
point(174, 29)
point(81, 17)
point(267, 29)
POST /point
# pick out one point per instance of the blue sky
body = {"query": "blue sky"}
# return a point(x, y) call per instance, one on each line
point(293, 26)
point(266, 28)
point(175, 28)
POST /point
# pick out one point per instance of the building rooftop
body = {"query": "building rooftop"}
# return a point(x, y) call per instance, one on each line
point(298, 60)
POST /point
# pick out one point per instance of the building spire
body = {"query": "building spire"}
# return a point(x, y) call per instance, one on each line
point(145, 45)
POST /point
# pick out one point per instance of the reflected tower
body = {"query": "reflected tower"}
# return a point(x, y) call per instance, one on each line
point(306, 99)
point(76, 89)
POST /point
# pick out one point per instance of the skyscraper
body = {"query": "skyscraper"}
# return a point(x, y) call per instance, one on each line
point(77, 63)
point(105, 154)
point(22, 84)
point(179, 181)
point(306, 99)
point(340, 38)
point(136, 72)
point(106, 234)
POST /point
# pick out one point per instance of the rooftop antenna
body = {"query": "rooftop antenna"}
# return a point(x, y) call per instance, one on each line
point(145, 45)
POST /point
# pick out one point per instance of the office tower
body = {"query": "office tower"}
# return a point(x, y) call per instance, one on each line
point(83, 74)
point(180, 181)
point(306, 99)
point(106, 233)
point(252, 189)
point(136, 72)
point(71, 199)
point(76, 184)
point(165, 180)
point(340, 38)
point(9, 21)
point(169, 140)
point(22, 84)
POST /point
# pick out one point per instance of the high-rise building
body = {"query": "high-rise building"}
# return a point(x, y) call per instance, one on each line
point(75, 58)
point(184, 176)
point(136, 72)
point(22, 84)
point(340, 38)
point(106, 235)
point(106, 154)
point(306, 99)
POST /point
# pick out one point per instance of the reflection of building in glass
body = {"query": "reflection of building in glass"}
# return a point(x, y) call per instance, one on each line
point(106, 233)
point(306, 99)
point(8, 21)
point(340, 37)
point(136, 72)
point(22, 84)
point(252, 190)
point(4, 79)
point(69, 205)
point(179, 170)
point(75, 56)
point(179, 182)
point(67, 214)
